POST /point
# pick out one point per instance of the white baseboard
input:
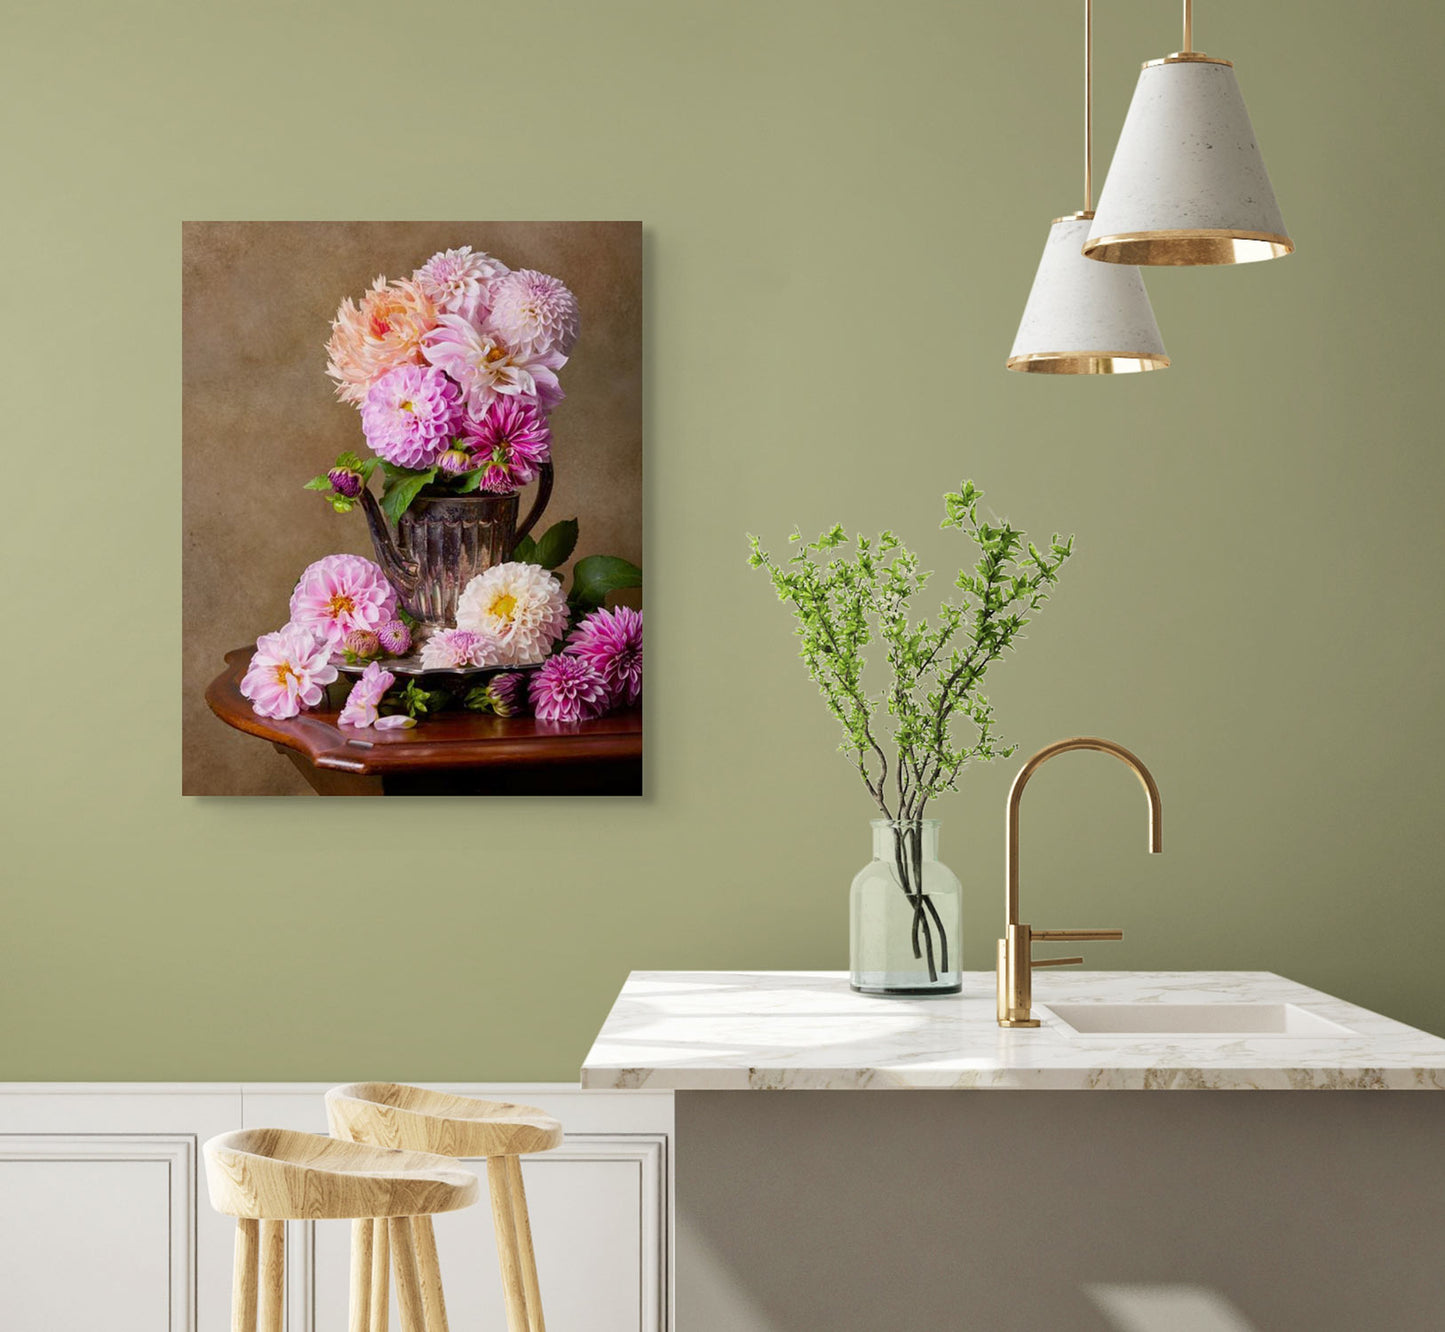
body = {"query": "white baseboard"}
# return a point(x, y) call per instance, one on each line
point(104, 1219)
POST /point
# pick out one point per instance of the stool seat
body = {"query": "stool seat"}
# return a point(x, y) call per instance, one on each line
point(415, 1119)
point(281, 1175)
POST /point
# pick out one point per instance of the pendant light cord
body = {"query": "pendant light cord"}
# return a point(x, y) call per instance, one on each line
point(1188, 25)
point(1089, 106)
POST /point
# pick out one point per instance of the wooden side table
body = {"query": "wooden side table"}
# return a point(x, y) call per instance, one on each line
point(455, 753)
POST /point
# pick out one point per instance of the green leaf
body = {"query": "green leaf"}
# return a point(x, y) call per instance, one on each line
point(525, 551)
point(558, 542)
point(470, 481)
point(367, 468)
point(397, 497)
point(594, 576)
point(318, 483)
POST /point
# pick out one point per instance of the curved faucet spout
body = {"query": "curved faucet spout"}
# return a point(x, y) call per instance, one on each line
point(1016, 960)
point(1016, 791)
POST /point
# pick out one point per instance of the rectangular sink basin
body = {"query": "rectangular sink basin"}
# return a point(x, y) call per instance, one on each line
point(1194, 1020)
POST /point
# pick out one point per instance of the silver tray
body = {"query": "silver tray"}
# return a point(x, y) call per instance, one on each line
point(411, 667)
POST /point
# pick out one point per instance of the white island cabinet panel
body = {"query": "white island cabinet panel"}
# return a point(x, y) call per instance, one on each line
point(110, 1215)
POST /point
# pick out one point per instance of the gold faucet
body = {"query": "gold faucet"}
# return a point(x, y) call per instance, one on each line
point(1015, 951)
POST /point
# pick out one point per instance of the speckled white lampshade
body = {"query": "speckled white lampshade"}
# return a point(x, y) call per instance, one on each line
point(1084, 318)
point(1187, 184)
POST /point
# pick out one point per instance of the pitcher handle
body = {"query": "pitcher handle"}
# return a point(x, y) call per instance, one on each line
point(544, 493)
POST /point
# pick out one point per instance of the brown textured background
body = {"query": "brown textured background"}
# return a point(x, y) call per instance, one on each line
point(260, 418)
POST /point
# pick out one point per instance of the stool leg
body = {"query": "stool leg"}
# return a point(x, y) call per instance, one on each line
point(380, 1275)
point(360, 1302)
point(408, 1280)
point(431, 1274)
point(506, 1228)
point(273, 1275)
point(523, 1226)
point(243, 1275)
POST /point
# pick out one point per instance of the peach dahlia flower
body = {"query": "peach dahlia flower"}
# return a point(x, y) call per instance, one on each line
point(385, 331)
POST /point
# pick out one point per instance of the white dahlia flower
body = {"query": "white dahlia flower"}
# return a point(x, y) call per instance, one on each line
point(522, 606)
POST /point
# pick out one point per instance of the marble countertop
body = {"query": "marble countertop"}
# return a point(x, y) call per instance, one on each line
point(807, 1030)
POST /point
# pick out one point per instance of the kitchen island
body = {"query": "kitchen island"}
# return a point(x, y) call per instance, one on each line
point(953, 1208)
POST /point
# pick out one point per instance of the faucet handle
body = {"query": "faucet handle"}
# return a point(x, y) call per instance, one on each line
point(1016, 964)
point(1077, 934)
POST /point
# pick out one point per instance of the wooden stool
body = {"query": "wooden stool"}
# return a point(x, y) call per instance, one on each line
point(266, 1177)
point(386, 1114)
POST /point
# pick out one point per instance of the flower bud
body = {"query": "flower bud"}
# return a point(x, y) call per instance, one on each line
point(394, 637)
point(345, 481)
point(456, 461)
point(361, 642)
point(508, 694)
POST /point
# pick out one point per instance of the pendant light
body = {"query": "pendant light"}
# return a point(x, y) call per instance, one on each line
point(1084, 318)
point(1187, 184)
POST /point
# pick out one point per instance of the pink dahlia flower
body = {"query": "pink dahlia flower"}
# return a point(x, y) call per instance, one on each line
point(459, 282)
point(610, 641)
point(385, 331)
point(488, 368)
point(410, 414)
point(364, 700)
point(567, 689)
point(341, 593)
point(290, 671)
point(511, 441)
point(453, 649)
point(530, 309)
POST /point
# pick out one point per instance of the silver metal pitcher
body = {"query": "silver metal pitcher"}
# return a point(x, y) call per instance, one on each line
point(444, 541)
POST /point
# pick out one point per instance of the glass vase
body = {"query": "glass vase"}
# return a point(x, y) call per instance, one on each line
point(906, 915)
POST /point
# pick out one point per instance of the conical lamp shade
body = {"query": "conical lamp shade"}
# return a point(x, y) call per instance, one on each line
point(1187, 184)
point(1083, 318)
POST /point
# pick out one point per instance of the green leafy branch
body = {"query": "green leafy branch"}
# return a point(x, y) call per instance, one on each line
point(845, 594)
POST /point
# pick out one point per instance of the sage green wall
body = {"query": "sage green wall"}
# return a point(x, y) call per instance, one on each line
point(844, 206)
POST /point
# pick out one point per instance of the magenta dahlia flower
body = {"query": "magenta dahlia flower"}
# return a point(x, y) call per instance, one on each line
point(290, 671)
point(530, 309)
point(610, 641)
point(488, 368)
point(458, 281)
point(364, 700)
point(394, 638)
point(410, 415)
point(510, 440)
point(341, 593)
point(567, 689)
